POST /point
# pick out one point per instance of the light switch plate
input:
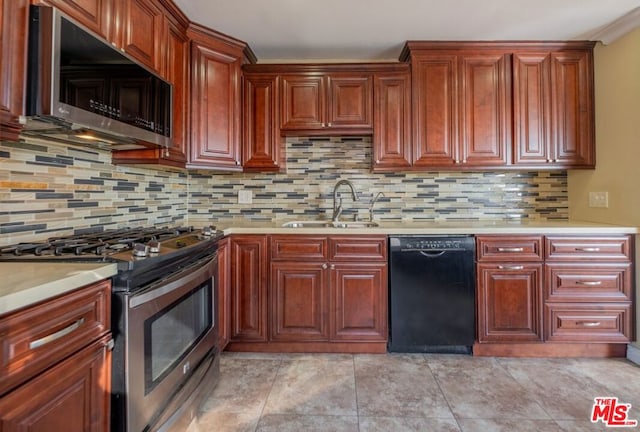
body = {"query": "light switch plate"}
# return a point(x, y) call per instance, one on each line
point(599, 199)
point(245, 196)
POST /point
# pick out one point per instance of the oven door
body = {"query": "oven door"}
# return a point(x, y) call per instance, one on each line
point(170, 332)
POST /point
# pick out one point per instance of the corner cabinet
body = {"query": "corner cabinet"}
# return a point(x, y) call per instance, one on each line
point(14, 16)
point(215, 100)
point(56, 364)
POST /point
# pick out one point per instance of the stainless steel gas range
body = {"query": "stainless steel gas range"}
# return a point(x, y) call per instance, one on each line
point(165, 357)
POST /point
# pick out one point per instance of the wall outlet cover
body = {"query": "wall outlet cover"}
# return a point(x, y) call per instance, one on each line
point(599, 199)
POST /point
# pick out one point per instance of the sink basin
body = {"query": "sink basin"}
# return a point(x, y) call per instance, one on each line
point(328, 224)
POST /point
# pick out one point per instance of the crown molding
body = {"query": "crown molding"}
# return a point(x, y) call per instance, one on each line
point(618, 28)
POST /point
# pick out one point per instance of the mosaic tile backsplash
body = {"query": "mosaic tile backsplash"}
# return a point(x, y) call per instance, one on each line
point(49, 189)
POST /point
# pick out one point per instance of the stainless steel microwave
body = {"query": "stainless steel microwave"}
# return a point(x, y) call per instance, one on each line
point(83, 90)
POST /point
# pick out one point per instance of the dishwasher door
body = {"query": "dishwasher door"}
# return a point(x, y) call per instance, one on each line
point(432, 294)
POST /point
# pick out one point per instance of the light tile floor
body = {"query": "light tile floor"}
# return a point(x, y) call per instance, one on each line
point(412, 392)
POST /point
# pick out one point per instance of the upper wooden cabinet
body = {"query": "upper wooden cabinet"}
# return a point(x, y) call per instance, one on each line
point(139, 30)
point(96, 15)
point(215, 100)
point(261, 141)
point(391, 120)
point(553, 108)
point(463, 106)
point(325, 101)
point(13, 49)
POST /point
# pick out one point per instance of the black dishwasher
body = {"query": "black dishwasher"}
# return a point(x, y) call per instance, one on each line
point(431, 294)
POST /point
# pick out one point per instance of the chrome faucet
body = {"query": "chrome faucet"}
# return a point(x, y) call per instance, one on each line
point(377, 197)
point(337, 208)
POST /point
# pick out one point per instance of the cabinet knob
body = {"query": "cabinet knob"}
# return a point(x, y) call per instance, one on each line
point(324, 266)
point(329, 124)
point(549, 160)
point(333, 267)
point(237, 162)
point(377, 161)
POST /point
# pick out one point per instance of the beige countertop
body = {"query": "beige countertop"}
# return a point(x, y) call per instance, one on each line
point(436, 227)
point(26, 283)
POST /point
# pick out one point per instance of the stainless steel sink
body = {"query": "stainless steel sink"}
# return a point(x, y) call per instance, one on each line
point(329, 224)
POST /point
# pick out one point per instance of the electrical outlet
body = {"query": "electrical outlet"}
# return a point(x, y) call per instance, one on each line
point(599, 199)
point(245, 196)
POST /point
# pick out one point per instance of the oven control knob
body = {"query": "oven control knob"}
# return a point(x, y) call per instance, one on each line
point(140, 250)
point(154, 246)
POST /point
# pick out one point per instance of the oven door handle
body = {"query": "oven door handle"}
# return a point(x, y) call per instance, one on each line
point(183, 278)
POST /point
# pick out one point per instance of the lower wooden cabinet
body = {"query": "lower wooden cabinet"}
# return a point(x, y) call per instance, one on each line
point(224, 293)
point(72, 396)
point(324, 293)
point(509, 302)
point(249, 288)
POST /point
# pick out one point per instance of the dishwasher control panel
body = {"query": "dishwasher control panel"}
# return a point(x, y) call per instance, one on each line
point(432, 243)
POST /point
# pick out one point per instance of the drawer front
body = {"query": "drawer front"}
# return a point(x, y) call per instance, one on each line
point(295, 247)
point(588, 282)
point(38, 337)
point(578, 248)
point(345, 248)
point(509, 248)
point(567, 322)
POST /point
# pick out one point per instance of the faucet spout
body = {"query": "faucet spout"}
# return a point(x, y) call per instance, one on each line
point(337, 207)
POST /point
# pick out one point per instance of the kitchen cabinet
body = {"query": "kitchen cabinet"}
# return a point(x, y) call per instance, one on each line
point(56, 365)
point(14, 16)
point(248, 256)
point(509, 288)
point(391, 143)
point(588, 290)
point(140, 30)
point(328, 289)
point(215, 100)
point(326, 102)
point(464, 106)
point(224, 293)
point(262, 146)
point(553, 108)
point(96, 15)
point(461, 108)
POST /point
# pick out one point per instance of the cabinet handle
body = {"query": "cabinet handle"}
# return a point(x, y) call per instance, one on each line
point(325, 266)
point(333, 266)
point(510, 267)
point(377, 161)
point(510, 249)
point(549, 161)
point(589, 283)
point(57, 335)
point(587, 249)
point(329, 124)
point(588, 323)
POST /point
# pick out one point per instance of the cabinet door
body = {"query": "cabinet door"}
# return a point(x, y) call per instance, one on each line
point(358, 302)
point(392, 121)
point(485, 110)
point(224, 294)
point(509, 302)
point(141, 30)
point(13, 48)
point(261, 140)
point(299, 301)
point(248, 288)
point(350, 102)
point(573, 108)
point(215, 109)
point(176, 71)
point(72, 396)
point(532, 108)
point(302, 104)
point(435, 110)
point(96, 15)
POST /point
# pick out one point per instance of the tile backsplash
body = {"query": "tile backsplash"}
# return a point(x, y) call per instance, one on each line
point(49, 189)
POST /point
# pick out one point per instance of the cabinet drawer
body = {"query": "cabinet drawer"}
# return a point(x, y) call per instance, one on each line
point(511, 248)
point(578, 248)
point(295, 247)
point(588, 282)
point(570, 322)
point(38, 337)
point(344, 248)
